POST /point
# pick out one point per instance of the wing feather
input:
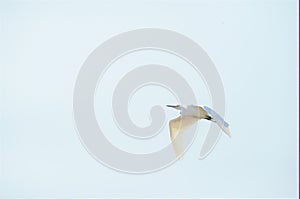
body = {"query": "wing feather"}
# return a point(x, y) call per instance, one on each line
point(177, 126)
point(219, 120)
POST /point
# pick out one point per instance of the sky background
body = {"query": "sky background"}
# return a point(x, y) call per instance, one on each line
point(254, 45)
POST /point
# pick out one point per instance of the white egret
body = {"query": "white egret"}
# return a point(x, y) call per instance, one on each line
point(188, 116)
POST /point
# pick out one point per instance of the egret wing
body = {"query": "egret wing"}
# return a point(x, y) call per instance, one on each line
point(219, 120)
point(177, 126)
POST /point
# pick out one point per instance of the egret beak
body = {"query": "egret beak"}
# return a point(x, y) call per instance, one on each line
point(173, 106)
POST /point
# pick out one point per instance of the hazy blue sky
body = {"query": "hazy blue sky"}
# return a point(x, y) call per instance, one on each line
point(254, 45)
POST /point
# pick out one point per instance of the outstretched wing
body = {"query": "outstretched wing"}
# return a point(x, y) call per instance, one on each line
point(219, 120)
point(177, 126)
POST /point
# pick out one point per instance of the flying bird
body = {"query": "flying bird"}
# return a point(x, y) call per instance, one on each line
point(189, 115)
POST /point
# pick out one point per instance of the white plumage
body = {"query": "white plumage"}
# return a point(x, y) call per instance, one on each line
point(189, 115)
